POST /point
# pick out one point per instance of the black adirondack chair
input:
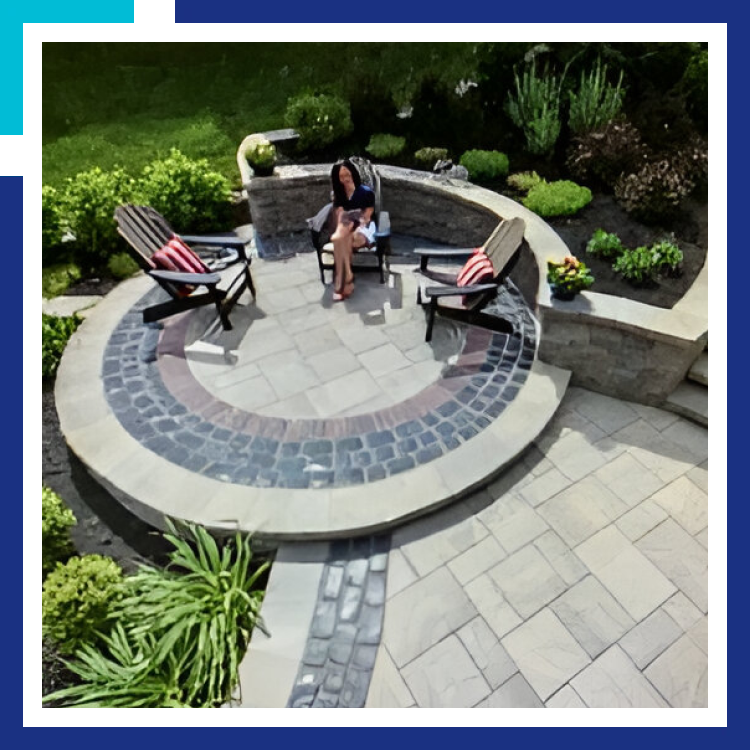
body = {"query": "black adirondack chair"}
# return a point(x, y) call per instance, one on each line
point(439, 289)
point(146, 231)
point(373, 257)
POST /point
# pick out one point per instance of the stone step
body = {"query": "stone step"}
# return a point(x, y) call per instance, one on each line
point(698, 373)
point(65, 306)
point(690, 400)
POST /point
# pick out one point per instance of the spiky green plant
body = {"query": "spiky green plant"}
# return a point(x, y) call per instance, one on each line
point(535, 108)
point(596, 102)
point(183, 629)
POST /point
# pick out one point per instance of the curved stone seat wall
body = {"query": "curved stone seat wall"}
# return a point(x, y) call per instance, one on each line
point(610, 344)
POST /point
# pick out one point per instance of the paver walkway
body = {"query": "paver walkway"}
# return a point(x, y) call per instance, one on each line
point(579, 578)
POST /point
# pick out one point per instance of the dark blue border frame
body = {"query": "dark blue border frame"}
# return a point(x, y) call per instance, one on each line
point(189, 20)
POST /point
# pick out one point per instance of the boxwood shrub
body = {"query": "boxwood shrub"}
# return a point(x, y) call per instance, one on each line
point(320, 119)
point(383, 145)
point(77, 598)
point(484, 165)
point(57, 520)
point(559, 198)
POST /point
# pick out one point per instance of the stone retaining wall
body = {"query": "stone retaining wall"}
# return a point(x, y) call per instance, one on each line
point(610, 344)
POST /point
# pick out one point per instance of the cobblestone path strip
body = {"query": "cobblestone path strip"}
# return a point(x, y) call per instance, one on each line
point(163, 406)
point(346, 627)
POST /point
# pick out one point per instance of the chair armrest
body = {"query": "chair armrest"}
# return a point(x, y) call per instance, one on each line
point(425, 253)
point(443, 252)
point(178, 277)
point(449, 291)
point(384, 225)
point(211, 240)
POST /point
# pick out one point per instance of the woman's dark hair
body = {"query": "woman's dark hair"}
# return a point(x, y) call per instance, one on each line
point(339, 196)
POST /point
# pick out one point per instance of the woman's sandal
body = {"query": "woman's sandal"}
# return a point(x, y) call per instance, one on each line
point(345, 293)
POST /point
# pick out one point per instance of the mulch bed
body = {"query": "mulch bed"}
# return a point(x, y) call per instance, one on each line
point(690, 231)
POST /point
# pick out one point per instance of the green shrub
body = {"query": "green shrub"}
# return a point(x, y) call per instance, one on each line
point(560, 198)
point(667, 255)
point(645, 265)
point(121, 266)
point(659, 187)
point(53, 227)
point(57, 520)
point(604, 154)
point(77, 600)
point(320, 119)
point(180, 633)
point(89, 206)
point(484, 165)
point(596, 102)
point(56, 330)
point(428, 155)
point(605, 245)
point(535, 109)
point(383, 145)
point(187, 192)
point(524, 181)
point(637, 266)
point(56, 279)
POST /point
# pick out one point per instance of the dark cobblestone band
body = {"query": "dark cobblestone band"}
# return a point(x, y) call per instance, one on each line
point(345, 632)
point(162, 405)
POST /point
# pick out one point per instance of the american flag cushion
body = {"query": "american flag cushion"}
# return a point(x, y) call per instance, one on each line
point(177, 256)
point(476, 270)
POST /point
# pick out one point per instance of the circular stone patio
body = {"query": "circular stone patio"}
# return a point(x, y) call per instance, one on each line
point(310, 419)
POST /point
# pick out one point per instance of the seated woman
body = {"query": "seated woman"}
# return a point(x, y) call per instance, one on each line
point(348, 194)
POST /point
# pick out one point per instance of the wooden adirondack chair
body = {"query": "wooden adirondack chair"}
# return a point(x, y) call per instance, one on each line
point(466, 302)
point(146, 232)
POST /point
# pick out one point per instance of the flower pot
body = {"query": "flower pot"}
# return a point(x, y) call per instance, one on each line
point(562, 294)
point(262, 171)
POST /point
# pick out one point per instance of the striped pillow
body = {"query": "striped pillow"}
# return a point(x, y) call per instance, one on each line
point(177, 256)
point(476, 270)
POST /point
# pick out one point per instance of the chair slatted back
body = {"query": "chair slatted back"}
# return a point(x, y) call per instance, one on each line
point(503, 244)
point(370, 177)
point(145, 236)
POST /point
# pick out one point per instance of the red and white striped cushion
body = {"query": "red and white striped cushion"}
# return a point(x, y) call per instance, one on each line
point(177, 256)
point(476, 270)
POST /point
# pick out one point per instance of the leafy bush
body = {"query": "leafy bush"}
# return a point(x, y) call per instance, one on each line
point(56, 279)
point(572, 275)
point(89, 206)
point(77, 600)
point(645, 265)
point(428, 155)
point(56, 330)
point(535, 109)
point(187, 192)
point(560, 198)
point(180, 632)
point(604, 154)
point(656, 191)
point(596, 102)
point(320, 119)
point(383, 145)
point(122, 266)
point(637, 266)
point(605, 245)
point(484, 165)
point(667, 255)
point(57, 519)
point(53, 227)
point(524, 181)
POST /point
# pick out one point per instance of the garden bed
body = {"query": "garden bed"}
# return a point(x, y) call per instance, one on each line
point(691, 235)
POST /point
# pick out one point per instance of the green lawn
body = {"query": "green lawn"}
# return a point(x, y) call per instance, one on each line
point(127, 104)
